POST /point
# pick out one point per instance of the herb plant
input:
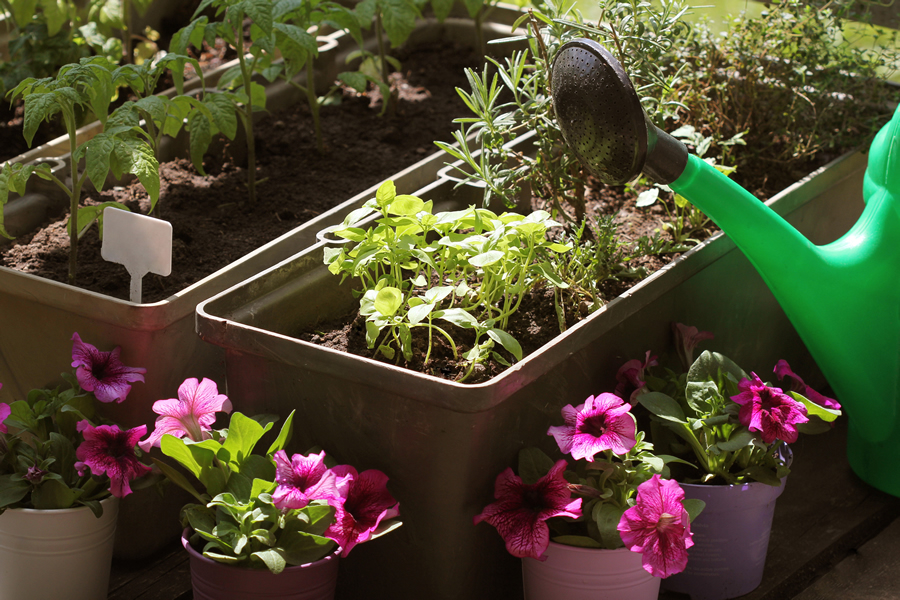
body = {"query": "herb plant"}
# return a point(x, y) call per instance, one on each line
point(471, 268)
point(120, 148)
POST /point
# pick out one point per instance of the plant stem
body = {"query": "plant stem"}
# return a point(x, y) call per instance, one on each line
point(74, 200)
point(314, 104)
point(382, 54)
point(248, 116)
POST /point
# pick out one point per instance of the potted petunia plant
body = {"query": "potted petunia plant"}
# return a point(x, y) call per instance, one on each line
point(613, 522)
point(63, 470)
point(732, 431)
point(264, 523)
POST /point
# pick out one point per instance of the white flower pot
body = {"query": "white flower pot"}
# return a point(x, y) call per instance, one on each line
point(588, 574)
point(56, 554)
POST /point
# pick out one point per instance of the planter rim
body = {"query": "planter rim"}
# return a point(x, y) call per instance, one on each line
point(185, 541)
point(583, 550)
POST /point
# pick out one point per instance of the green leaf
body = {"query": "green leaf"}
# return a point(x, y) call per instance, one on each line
point(399, 19)
point(243, 434)
point(386, 193)
point(607, 517)
point(738, 440)
point(812, 409)
point(507, 341)
point(38, 107)
point(175, 476)
point(273, 560)
point(694, 507)
point(418, 313)
point(356, 80)
point(52, 494)
point(580, 541)
point(284, 436)
point(388, 300)
point(12, 491)
point(663, 406)
point(533, 464)
point(406, 205)
point(458, 316)
point(194, 459)
point(201, 137)
point(486, 258)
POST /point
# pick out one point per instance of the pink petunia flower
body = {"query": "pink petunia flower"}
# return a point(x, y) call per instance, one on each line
point(106, 449)
point(658, 527)
point(102, 372)
point(686, 339)
point(630, 376)
point(302, 479)
point(192, 414)
point(364, 503)
point(5, 411)
point(521, 510)
point(769, 411)
point(783, 369)
point(601, 423)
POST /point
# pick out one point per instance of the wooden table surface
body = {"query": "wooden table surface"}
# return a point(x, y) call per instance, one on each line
point(833, 537)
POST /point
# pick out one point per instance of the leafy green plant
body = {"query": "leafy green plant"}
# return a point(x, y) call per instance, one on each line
point(159, 115)
point(394, 19)
point(120, 147)
point(470, 268)
point(299, 57)
point(799, 80)
point(268, 25)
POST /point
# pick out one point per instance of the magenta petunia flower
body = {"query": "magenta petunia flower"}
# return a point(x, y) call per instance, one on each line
point(106, 449)
point(783, 369)
point(364, 503)
point(302, 479)
point(191, 414)
point(658, 527)
point(686, 339)
point(102, 372)
point(5, 411)
point(769, 411)
point(521, 510)
point(601, 423)
point(630, 377)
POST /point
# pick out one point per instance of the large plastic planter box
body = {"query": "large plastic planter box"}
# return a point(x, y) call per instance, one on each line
point(443, 443)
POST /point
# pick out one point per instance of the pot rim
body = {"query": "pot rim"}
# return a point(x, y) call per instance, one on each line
point(61, 511)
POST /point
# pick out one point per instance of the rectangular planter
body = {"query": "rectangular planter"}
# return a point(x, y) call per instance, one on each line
point(39, 315)
point(442, 443)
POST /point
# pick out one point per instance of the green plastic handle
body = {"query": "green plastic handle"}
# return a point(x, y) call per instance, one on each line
point(844, 297)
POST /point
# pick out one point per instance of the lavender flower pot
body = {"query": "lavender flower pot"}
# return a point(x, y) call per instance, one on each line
point(213, 580)
point(588, 574)
point(731, 538)
point(53, 554)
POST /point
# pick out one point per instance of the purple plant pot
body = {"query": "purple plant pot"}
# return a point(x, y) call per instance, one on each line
point(731, 538)
point(212, 580)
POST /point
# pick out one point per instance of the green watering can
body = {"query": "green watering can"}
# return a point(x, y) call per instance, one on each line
point(843, 298)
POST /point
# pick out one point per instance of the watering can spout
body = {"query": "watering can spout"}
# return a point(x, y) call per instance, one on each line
point(843, 298)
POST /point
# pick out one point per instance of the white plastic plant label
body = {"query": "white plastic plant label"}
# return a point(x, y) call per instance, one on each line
point(143, 244)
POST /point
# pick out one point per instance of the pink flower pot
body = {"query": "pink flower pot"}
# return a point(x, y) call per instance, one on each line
point(213, 580)
point(588, 574)
point(731, 539)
